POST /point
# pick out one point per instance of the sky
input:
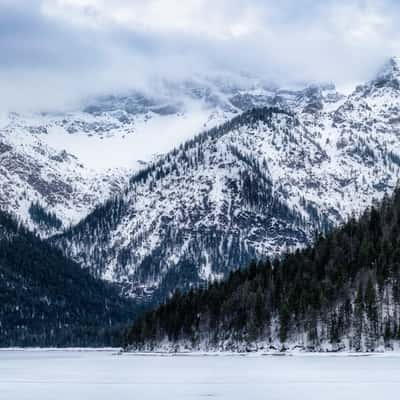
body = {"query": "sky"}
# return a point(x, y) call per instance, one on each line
point(54, 53)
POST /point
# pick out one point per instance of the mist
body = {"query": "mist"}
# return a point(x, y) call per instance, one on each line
point(56, 53)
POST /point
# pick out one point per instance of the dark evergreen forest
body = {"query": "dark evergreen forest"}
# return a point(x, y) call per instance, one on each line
point(48, 300)
point(341, 293)
point(44, 219)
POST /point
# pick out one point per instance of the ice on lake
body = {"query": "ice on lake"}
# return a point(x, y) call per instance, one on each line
point(98, 375)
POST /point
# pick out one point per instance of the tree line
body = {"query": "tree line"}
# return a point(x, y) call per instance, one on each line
point(341, 293)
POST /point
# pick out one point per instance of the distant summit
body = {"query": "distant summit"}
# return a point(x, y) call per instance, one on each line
point(391, 68)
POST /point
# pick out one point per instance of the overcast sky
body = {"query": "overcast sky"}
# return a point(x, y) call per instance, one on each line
point(54, 52)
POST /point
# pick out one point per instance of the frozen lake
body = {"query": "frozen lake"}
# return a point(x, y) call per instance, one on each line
point(87, 375)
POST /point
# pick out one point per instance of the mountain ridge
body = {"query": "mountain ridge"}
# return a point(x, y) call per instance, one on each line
point(248, 190)
point(156, 171)
point(185, 213)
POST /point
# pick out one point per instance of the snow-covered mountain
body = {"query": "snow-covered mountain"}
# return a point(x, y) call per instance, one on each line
point(34, 174)
point(68, 162)
point(65, 163)
point(256, 183)
point(259, 184)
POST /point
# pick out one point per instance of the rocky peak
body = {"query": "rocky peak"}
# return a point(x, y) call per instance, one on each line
point(389, 75)
point(390, 69)
point(313, 98)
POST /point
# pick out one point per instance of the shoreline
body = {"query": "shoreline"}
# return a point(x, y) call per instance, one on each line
point(116, 351)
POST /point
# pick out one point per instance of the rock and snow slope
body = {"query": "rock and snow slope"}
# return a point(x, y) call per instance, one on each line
point(33, 172)
point(68, 162)
point(259, 184)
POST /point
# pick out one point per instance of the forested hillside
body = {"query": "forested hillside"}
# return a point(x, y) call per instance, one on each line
point(46, 299)
point(341, 293)
point(204, 209)
point(260, 184)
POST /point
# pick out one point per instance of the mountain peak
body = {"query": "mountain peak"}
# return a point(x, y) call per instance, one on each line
point(391, 69)
point(388, 77)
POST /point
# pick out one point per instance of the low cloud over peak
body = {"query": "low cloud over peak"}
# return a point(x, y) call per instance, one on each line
point(54, 52)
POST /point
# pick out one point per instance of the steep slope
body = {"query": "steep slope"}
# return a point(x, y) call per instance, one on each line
point(259, 184)
point(71, 162)
point(67, 162)
point(48, 300)
point(32, 173)
point(201, 208)
point(342, 293)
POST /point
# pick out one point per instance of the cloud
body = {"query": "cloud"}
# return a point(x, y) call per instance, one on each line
point(55, 52)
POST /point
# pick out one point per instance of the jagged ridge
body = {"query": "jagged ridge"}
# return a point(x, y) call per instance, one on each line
point(229, 212)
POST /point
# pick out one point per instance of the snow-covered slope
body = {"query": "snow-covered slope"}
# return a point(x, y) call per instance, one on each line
point(259, 184)
point(68, 162)
point(200, 210)
point(256, 186)
point(33, 172)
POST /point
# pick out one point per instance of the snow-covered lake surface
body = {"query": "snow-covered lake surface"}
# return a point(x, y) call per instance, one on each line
point(98, 375)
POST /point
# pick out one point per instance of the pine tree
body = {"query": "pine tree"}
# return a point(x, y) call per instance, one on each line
point(372, 315)
point(358, 319)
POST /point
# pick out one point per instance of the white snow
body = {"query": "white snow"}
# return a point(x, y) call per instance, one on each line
point(94, 155)
point(87, 375)
point(150, 135)
point(334, 162)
